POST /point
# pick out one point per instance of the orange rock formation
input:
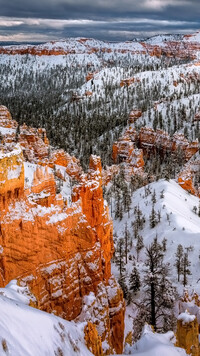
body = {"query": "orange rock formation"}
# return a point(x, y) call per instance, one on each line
point(134, 115)
point(187, 177)
point(150, 140)
point(182, 49)
point(187, 335)
point(59, 246)
point(93, 340)
point(124, 151)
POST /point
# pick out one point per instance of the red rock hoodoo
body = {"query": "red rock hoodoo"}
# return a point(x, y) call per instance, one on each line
point(58, 243)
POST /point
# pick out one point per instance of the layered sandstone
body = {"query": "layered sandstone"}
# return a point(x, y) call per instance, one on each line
point(34, 142)
point(151, 140)
point(127, 82)
point(11, 176)
point(187, 334)
point(124, 151)
point(184, 48)
point(93, 340)
point(188, 178)
point(59, 244)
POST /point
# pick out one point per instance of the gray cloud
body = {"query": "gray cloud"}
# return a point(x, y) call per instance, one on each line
point(103, 19)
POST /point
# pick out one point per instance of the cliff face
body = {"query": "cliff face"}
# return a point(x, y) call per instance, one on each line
point(189, 176)
point(182, 48)
point(58, 241)
point(124, 150)
point(188, 334)
point(149, 141)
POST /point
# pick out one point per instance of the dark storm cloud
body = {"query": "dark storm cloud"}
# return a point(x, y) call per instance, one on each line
point(113, 20)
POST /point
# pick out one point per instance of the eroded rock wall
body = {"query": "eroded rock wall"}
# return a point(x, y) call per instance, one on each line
point(61, 248)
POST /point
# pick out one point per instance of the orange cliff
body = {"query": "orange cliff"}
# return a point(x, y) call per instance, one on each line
point(124, 151)
point(183, 49)
point(187, 335)
point(59, 246)
point(188, 177)
point(150, 140)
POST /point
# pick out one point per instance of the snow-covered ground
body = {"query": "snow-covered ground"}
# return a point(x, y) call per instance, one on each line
point(26, 331)
point(153, 344)
point(178, 224)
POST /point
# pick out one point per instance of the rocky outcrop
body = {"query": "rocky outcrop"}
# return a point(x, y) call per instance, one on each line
point(58, 244)
point(185, 180)
point(124, 151)
point(11, 176)
point(188, 178)
point(188, 322)
point(134, 115)
point(187, 335)
point(128, 81)
point(34, 142)
point(151, 140)
point(183, 48)
point(90, 76)
point(72, 166)
point(93, 340)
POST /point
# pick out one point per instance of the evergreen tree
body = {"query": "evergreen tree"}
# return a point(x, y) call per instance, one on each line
point(141, 320)
point(164, 244)
point(153, 199)
point(139, 245)
point(119, 256)
point(134, 280)
point(123, 285)
point(186, 270)
point(152, 218)
point(118, 207)
point(127, 239)
point(126, 198)
point(159, 292)
point(179, 260)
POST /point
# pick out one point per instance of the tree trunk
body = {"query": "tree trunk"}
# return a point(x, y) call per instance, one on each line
point(153, 312)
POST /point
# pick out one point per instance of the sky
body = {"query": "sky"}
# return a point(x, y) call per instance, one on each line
point(112, 20)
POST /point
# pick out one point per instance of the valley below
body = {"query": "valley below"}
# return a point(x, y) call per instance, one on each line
point(100, 197)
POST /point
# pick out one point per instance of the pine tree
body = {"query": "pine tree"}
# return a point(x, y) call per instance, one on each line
point(186, 270)
point(126, 198)
point(152, 218)
point(127, 239)
point(141, 320)
point(139, 245)
point(153, 199)
point(123, 285)
point(159, 293)
point(164, 244)
point(118, 207)
point(179, 260)
point(119, 256)
point(134, 280)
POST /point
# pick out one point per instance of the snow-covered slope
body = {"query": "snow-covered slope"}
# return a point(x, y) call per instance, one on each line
point(26, 331)
point(153, 344)
point(178, 224)
point(160, 40)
